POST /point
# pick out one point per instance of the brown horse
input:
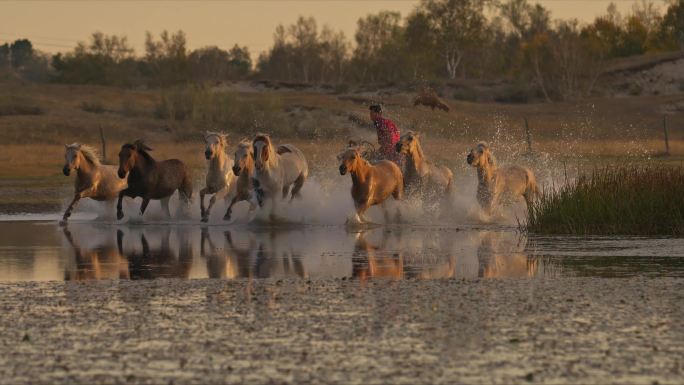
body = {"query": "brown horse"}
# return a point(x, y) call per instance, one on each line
point(371, 184)
point(422, 176)
point(150, 179)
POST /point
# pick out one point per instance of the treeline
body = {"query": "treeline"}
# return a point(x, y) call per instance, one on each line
point(441, 40)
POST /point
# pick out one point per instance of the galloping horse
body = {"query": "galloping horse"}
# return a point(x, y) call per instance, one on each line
point(496, 186)
point(220, 178)
point(422, 176)
point(93, 180)
point(371, 184)
point(150, 179)
point(243, 168)
point(276, 170)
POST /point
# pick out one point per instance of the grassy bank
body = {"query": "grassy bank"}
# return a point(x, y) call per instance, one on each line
point(629, 200)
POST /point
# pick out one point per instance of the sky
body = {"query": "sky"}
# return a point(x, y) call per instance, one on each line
point(56, 26)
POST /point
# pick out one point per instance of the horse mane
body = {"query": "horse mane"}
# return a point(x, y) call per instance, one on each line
point(223, 137)
point(491, 158)
point(89, 152)
point(419, 147)
point(245, 143)
point(140, 147)
point(283, 149)
point(271, 151)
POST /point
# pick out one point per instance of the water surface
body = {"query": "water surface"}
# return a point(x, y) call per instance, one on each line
point(39, 250)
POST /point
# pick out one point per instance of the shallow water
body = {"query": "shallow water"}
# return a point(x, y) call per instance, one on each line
point(37, 249)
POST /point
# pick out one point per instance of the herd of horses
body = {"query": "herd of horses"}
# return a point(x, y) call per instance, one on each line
point(261, 172)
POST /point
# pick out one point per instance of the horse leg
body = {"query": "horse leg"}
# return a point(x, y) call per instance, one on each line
point(165, 206)
point(286, 189)
point(67, 213)
point(385, 212)
point(202, 193)
point(143, 206)
point(119, 204)
point(258, 192)
point(219, 195)
point(298, 183)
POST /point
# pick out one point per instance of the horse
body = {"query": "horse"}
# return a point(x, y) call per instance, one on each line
point(371, 184)
point(150, 179)
point(422, 176)
point(243, 168)
point(428, 97)
point(276, 170)
point(93, 179)
point(220, 178)
point(496, 186)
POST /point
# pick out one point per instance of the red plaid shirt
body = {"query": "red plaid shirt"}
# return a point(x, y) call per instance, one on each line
point(388, 136)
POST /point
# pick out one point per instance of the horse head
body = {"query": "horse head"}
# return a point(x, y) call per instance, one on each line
point(243, 157)
point(481, 156)
point(408, 143)
point(215, 143)
point(262, 151)
point(71, 158)
point(349, 159)
point(129, 155)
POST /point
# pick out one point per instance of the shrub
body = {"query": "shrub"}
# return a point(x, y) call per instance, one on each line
point(514, 93)
point(20, 109)
point(634, 200)
point(93, 107)
point(465, 93)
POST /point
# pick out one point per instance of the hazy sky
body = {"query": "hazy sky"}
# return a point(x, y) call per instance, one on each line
point(57, 25)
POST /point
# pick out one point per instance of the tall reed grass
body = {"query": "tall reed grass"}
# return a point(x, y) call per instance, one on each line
point(625, 200)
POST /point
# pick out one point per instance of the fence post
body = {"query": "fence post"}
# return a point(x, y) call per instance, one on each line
point(667, 140)
point(104, 145)
point(529, 137)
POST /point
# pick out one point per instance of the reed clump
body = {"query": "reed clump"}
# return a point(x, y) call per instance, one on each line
point(626, 200)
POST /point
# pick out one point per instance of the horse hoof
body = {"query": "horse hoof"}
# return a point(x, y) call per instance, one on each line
point(205, 219)
point(119, 215)
point(226, 217)
point(63, 222)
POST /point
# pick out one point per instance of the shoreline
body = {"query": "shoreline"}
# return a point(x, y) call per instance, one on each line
point(562, 330)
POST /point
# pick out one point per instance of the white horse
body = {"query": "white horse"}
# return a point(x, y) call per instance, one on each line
point(93, 180)
point(220, 179)
point(275, 171)
point(496, 186)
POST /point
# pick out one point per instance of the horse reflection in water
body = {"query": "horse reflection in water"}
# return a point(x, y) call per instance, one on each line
point(504, 255)
point(268, 254)
point(101, 261)
point(163, 261)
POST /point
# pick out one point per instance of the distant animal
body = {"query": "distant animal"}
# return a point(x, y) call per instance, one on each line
point(496, 186)
point(220, 179)
point(150, 179)
point(93, 180)
point(428, 97)
point(422, 177)
point(276, 170)
point(243, 169)
point(371, 184)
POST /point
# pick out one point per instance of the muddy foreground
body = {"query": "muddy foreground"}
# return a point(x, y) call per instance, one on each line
point(343, 331)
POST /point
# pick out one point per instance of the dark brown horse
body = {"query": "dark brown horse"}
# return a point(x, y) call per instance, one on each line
point(150, 179)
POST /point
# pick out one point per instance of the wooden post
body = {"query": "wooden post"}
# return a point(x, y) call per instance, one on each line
point(667, 140)
point(529, 137)
point(104, 145)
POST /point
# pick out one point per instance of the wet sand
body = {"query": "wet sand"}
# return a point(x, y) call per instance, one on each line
point(568, 330)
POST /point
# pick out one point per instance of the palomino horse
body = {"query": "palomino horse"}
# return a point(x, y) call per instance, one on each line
point(150, 179)
point(496, 186)
point(243, 168)
point(276, 170)
point(220, 178)
point(93, 180)
point(371, 184)
point(422, 176)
